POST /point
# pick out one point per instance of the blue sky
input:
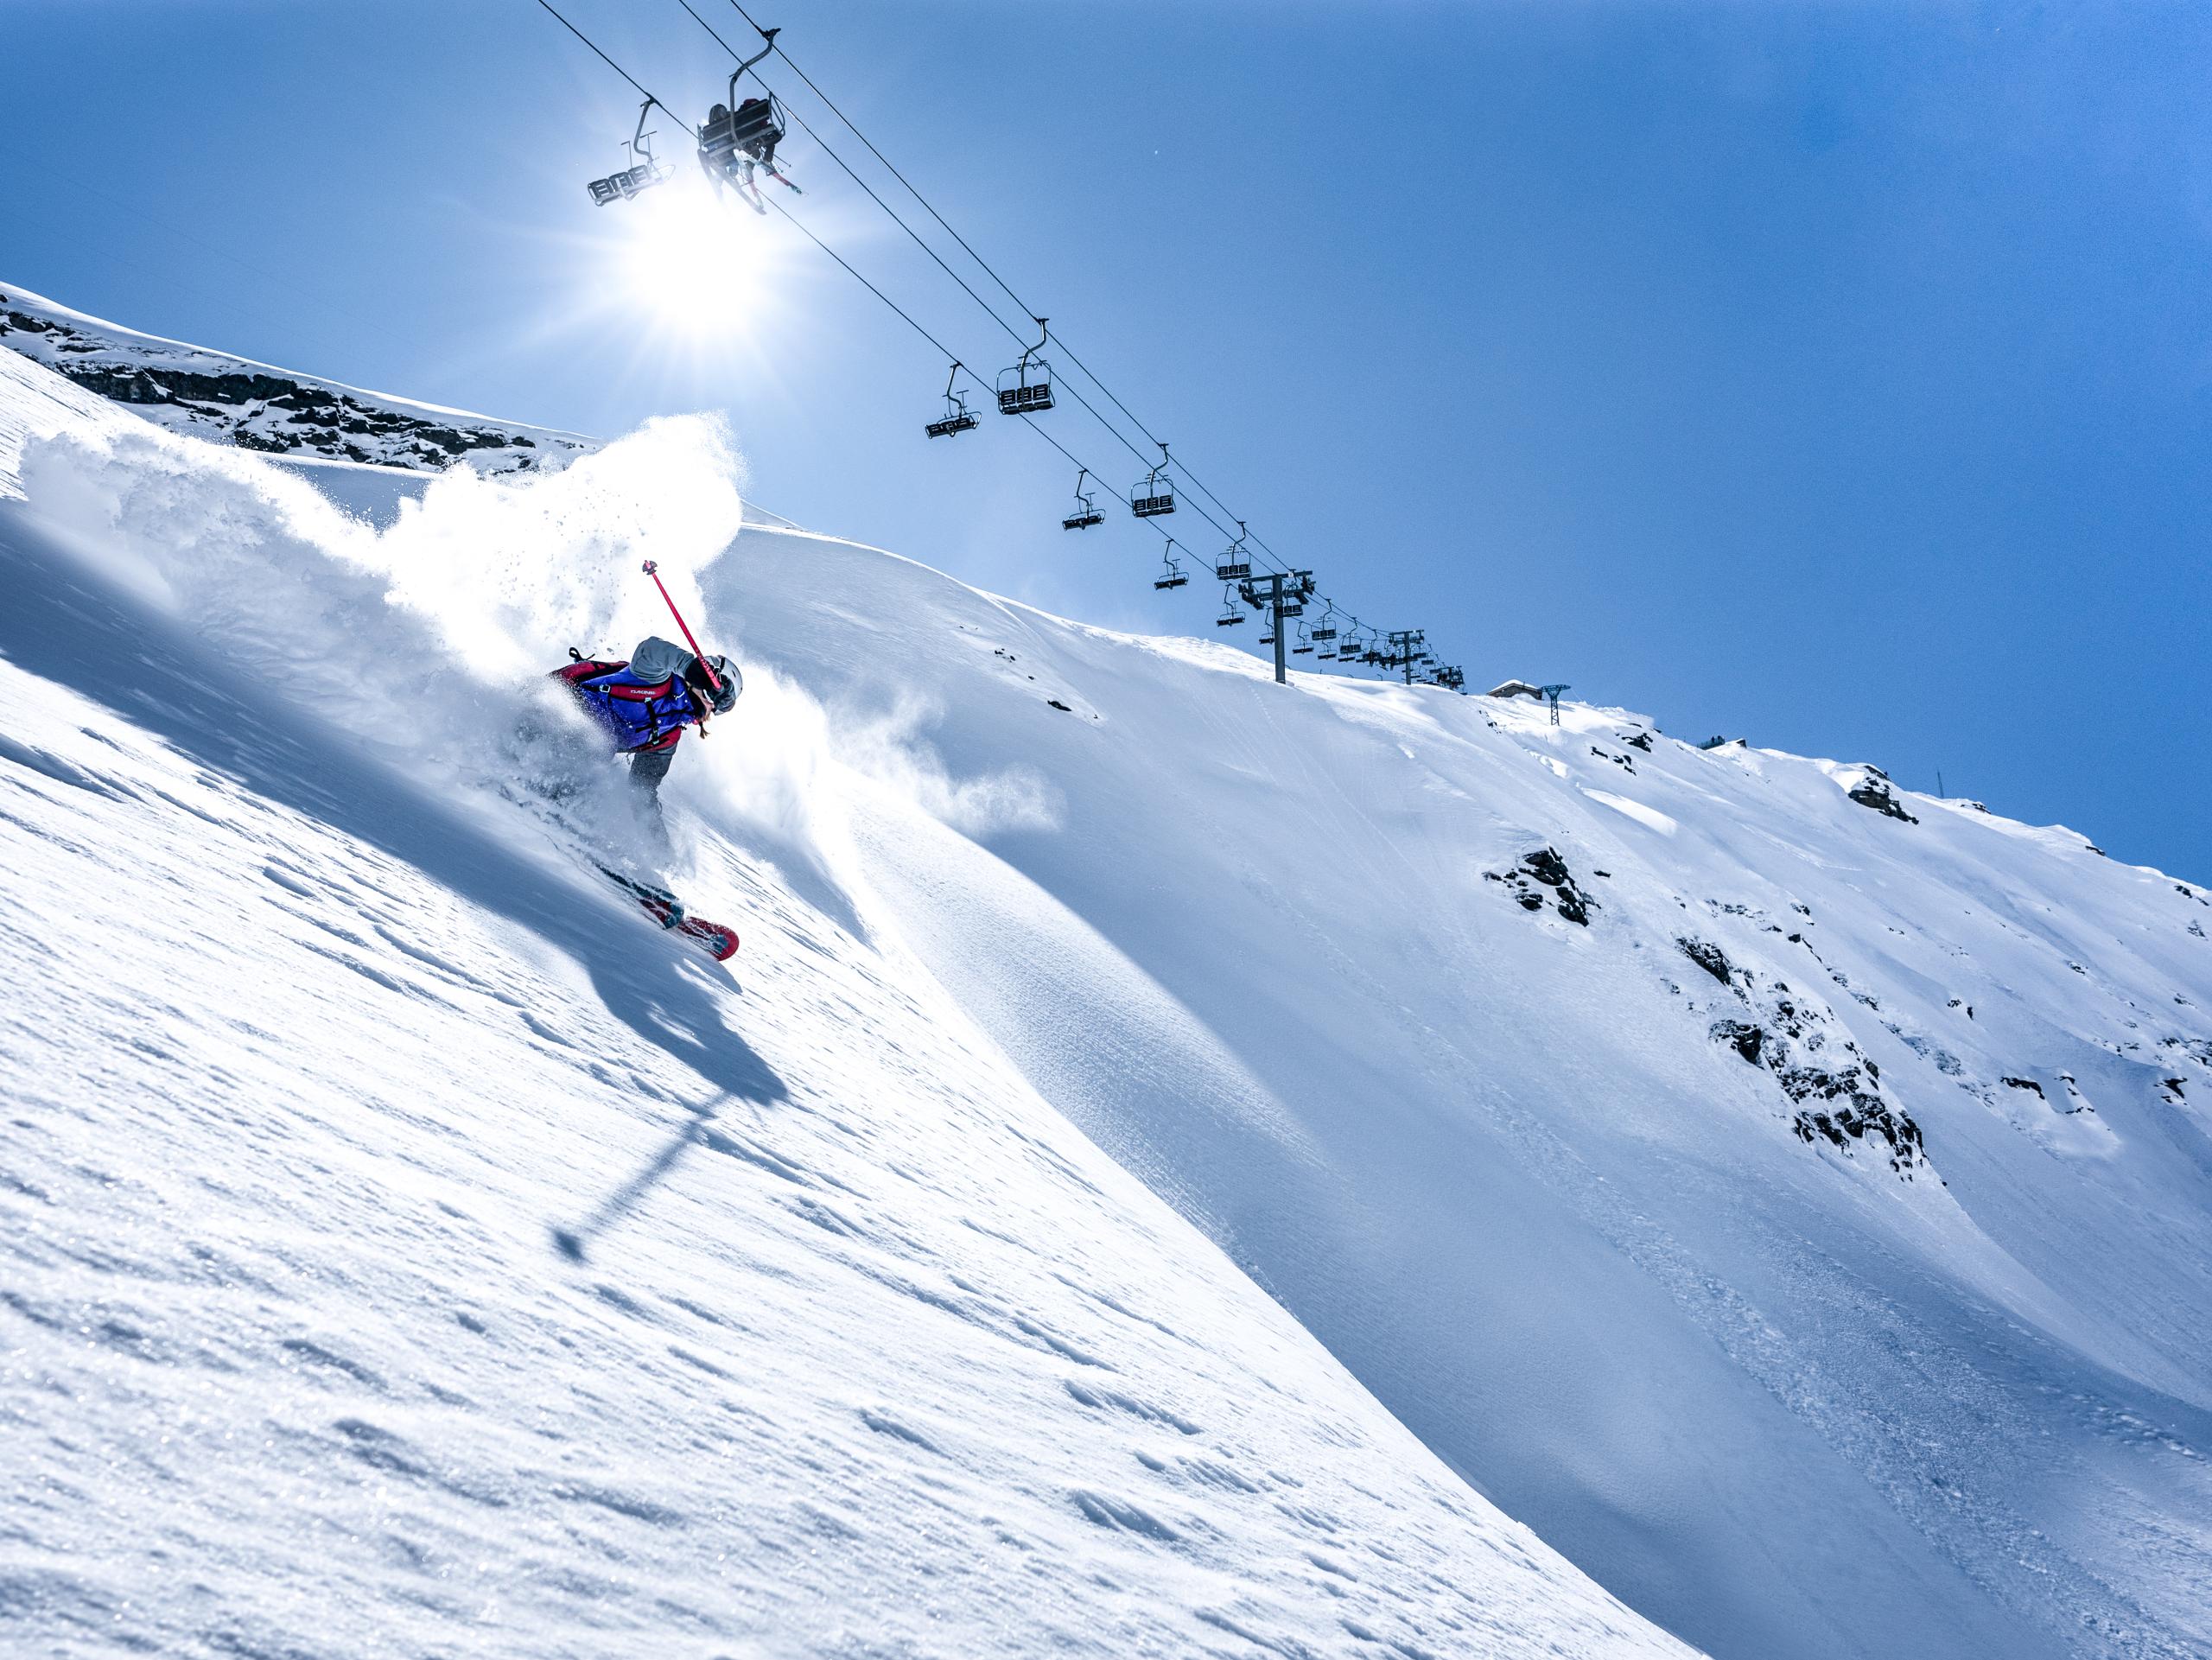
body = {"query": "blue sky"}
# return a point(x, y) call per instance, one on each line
point(1835, 376)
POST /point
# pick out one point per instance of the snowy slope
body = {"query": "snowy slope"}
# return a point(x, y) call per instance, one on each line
point(215, 395)
point(1811, 1240)
point(312, 1039)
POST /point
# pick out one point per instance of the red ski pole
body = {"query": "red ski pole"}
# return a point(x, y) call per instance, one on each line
point(713, 681)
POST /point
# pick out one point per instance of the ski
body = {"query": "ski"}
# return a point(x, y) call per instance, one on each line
point(663, 908)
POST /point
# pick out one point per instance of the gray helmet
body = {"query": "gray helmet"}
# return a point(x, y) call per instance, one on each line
point(722, 695)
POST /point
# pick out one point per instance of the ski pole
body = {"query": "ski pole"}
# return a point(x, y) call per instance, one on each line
point(713, 681)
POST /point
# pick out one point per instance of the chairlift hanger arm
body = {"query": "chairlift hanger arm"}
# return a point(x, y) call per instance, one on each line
point(768, 45)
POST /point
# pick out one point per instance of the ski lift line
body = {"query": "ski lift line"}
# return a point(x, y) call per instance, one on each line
point(900, 312)
point(989, 310)
point(1067, 351)
point(966, 246)
point(927, 207)
point(850, 270)
point(916, 238)
point(943, 350)
point(644, 92)
point(602, 56)
point(848, 170)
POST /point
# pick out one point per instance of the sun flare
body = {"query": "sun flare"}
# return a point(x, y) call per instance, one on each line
point(699, 265)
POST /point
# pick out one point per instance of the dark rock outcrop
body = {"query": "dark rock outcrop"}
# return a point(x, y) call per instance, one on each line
point(1541, 875)
point(1710, 958)
point(1876, 791)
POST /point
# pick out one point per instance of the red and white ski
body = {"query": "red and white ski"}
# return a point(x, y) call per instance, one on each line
point(663, 908)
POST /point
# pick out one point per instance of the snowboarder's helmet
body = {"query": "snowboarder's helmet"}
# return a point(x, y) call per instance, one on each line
point(721, 697)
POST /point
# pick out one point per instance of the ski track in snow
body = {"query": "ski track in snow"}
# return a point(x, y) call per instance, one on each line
point(868, 1352)
point(873, 1351)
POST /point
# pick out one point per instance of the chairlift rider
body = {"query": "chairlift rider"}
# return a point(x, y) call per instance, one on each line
point(735, 140)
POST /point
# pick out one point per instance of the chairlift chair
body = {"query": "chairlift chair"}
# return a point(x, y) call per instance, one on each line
point(1154, 493)
point(741, 135)
point(1171, 574)
point(1235, 565)
point(644, 172)
point(957, 418)
point(1086, 512)
point(1029, 391)
point(1231, 617)
point(1305, 646)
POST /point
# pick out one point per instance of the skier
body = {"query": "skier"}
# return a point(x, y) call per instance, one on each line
point(645, 703)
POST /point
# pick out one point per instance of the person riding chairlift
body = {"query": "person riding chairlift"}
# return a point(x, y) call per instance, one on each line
point(755, 131)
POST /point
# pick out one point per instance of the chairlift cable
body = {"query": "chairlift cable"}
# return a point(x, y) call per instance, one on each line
point(1060, 341)
point(897, 310)
point(602, 57)
point(913, 235)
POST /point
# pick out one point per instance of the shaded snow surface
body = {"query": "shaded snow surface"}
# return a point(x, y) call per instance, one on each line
point(1795, 1212)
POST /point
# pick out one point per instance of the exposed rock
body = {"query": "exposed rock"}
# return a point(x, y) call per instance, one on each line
point(187, 389)
point(1742, 1036)
point(1638, 739)
point(1542, 871)
point(2025, 1084)
point(1857, 1113)
point(1709, 957)
point(1516, 689)
point(1875, 790)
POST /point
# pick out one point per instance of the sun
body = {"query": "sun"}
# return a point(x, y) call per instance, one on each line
point(699, 264)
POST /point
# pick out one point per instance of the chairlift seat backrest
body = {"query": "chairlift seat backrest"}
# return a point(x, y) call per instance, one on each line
point(744, 128)
point(951, 425)
point(1234, 571)
point(1151, 506)
point(1028, 398)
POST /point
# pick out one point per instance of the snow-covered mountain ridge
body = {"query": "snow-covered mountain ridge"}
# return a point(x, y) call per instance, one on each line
point(1786, 1192)
point(213, 395)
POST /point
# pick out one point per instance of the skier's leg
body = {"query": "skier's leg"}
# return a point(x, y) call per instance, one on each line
point(647, 768)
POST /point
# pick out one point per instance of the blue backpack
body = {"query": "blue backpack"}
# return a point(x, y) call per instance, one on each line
point(637, 714)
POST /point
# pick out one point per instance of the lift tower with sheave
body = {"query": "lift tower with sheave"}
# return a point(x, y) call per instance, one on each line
point(1281, 595)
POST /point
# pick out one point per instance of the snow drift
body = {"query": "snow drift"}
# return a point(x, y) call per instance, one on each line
point(1785, 1193)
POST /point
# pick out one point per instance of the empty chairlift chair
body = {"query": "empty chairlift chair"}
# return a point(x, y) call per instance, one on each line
point(1154, 493)
point(1305, 646)
point(1235, 565)
point(957, 418)
point(1085, 513)
point(642, 175)
point(1170, 573)
point(1027, 388)
point(1231, 616)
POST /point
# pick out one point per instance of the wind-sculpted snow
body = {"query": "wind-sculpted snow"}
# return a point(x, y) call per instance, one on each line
point(1796, 1209)
point(314, 1040)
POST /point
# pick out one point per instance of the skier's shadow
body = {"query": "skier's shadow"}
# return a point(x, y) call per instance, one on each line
point(63, 624)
